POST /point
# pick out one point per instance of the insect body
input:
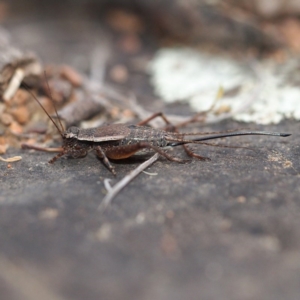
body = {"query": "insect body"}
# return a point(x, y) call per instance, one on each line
point(120, 141)
point(116, 141)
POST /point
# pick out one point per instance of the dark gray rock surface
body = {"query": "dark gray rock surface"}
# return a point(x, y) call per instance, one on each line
point(225, 229)
point(228, 228)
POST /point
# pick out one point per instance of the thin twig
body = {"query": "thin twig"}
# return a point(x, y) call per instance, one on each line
point(11, 159)
point(14, 84)
point(121, 184)
point(44, 149)
point(107, 185)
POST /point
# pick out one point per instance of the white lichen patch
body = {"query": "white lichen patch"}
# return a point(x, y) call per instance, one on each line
point(181, 73)
point(264, 92)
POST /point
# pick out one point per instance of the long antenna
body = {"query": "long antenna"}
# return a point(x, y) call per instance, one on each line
point(230, 134)
point(40, 104)
point(50, 93)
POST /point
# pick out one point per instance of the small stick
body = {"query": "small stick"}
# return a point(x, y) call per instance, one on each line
point(45, 149)
point(11, 159)
point(107, 185)
point(112, 193)
point(14, 84)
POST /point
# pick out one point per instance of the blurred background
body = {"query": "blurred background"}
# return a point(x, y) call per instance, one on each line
point(225, 229)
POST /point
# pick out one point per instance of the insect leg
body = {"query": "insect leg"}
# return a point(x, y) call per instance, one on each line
point(186, 148)
point(163, 153)
point(173, 128)
point(55, 158)
point(191, 153)
point(170, 126)
point(200, 116)
point(101, 154)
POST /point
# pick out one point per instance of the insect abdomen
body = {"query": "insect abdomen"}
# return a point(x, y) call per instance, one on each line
point(145, 134)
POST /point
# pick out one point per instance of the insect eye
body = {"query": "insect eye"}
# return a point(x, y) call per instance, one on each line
point(71, 132)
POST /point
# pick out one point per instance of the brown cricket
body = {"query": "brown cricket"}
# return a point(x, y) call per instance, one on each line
point(120, 141)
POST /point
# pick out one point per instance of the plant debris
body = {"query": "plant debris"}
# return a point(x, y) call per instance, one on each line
point(11, 159)
point(113, 191)
point(90, 101)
